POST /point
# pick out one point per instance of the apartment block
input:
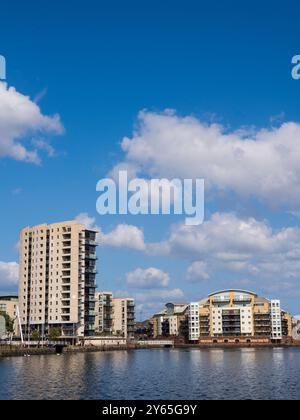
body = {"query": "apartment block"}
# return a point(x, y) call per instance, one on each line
point(238, 313)
point(172, 321)
point(104, 313)
point(58, 279)
point(8, 304)
point(276, 320)
point(124, 317)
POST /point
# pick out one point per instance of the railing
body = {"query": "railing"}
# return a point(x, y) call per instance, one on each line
point(219, 300)
point(90, 242)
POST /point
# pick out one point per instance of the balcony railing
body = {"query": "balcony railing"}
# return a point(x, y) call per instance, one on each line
point(90, 256)
point(89, 270)
point(90, 242)
point(221, 300)
point(242, 300)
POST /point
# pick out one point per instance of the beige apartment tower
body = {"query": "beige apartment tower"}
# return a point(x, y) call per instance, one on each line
point(124, 317)
point(58, 279)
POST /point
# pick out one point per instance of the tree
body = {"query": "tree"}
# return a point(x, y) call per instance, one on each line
point(9, 325)
point(36, 336)
point(54, 334)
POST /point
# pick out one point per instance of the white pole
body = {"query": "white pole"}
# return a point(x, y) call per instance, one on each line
point(20, 326)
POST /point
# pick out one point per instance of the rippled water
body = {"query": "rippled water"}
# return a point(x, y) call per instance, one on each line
point(155, 374)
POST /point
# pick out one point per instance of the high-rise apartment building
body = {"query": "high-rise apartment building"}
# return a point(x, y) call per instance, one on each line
point(238, 313)
point(103, 313)
point(124, 317)
point(58, 279)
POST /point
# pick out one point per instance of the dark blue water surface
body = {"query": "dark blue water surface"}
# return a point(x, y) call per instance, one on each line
point(155, 374)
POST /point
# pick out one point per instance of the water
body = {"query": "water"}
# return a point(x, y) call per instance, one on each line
point(155, 374)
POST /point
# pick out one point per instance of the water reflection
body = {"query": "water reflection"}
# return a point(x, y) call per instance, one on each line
point(155, 374)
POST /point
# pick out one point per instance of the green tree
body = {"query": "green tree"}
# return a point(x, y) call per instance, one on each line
point(54, 334)
point(36, 336)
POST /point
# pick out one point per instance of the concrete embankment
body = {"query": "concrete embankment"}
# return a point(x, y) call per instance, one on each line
point(21, 352)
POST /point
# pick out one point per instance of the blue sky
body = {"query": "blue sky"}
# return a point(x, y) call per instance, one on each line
point(97, 64)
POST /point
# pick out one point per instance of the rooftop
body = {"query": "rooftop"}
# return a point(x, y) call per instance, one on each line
point(9, 298)
point(233, 291)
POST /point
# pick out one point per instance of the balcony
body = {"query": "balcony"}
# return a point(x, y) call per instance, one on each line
point(66, 282)
point(89, 327)
point(66, 312)
point(90, 242)
point(66, 266)
point(90, 313)
point(90, 270)
point(66, 273)
point(91, 256)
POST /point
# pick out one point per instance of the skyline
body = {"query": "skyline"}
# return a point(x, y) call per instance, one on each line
point(163, 93)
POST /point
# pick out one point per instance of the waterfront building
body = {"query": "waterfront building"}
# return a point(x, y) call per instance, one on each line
point(144, 330)
point(103, 313)
point(238, 313)
point(123, 317)
point(172, 321)
point(58, 279)
point(8, 304)
point(2, 327)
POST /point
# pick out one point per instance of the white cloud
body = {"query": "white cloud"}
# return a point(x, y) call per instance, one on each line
point(9, 274)
point(227, 242)
point(262, 163)
point(161, 296)
point(224, 243)
point(148, 279)
point(20, 120)
point(198, 271)
point(230, 238)
point(45, 146)
point(88, 221)
point(124, 236)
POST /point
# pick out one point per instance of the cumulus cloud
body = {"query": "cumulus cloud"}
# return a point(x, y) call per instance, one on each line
point(9, 274)
point(251, 163)
point(20, 120)
point(243, 246)
point(162, 296)
point(239, 245)
point(88, 221)
point(198, 271)
point(148, 279)
point(122, 236)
